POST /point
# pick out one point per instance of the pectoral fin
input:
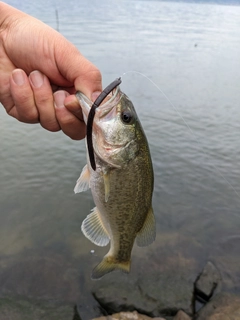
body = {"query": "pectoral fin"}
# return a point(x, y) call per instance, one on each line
point(94, 230)
point(148, 232)
point(83, 181)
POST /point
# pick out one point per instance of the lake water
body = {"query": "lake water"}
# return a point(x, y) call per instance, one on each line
point(191, 51)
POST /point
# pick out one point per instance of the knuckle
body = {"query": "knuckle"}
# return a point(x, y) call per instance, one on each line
point(29, 115)
point(23, 98)
point(73, 128)
point(93, 74)
point(51, 126)
point(68, 121)
point(44, 102)
point(27, 111)
point(43, 98)
point(76, 135)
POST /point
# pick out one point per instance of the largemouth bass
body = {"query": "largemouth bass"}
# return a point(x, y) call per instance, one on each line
point(121, 185)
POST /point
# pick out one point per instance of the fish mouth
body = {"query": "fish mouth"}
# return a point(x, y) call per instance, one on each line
point(105, 107)
point(89, 110)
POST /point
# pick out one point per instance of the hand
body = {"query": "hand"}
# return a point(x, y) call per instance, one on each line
point(35, 61)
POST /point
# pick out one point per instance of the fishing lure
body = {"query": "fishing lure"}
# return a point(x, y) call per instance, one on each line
point(91, 115)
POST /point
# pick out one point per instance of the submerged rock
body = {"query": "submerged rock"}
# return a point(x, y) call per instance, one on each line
point(207, 282)
point(156, 295)
point(223, 306)
point(171, 292)
point(127, 316)
point(160, 283)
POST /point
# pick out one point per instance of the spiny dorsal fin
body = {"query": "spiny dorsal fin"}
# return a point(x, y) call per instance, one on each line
point(94, 230)
point(83, 181)
point(148, 232)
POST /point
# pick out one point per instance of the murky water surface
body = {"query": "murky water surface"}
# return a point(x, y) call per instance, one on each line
point(191, 51)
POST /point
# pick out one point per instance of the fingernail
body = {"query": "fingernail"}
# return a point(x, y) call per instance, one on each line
point(18, 77)
point(59, 98)
point(36, 78)
point(95, 95)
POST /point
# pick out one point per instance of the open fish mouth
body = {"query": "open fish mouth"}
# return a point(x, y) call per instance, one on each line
point(105, 108)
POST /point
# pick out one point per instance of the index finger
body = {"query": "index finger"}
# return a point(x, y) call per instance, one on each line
point(85, 76)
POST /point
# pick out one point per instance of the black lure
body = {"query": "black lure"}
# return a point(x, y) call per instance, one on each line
point(91, 115)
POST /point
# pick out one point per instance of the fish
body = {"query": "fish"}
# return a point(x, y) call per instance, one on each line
point(121, 184)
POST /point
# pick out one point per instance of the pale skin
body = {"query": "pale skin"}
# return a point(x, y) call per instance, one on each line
point(40, 71)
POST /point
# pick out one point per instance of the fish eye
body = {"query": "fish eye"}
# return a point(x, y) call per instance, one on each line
point(126, 116)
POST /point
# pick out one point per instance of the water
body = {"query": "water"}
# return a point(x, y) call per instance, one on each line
point(191, 51)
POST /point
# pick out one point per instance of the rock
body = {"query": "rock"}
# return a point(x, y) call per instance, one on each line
point(160, 282)
point(127, 316)
point(223, 306)
point(181, 316)
point(207, 282)
point(88, 308)
point(226, 257)
point(171, 292)
point(118, 294)
point(76, 315)
point(156, 294)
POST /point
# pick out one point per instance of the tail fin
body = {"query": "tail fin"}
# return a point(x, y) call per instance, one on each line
point(109, 264)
